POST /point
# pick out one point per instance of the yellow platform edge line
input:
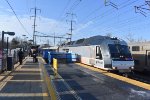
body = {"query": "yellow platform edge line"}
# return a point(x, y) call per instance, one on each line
point(22, 94)
point(50, 87)
point(124, 79)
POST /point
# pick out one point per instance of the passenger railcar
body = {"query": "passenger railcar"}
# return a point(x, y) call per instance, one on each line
point(102, 52)
point(141, 55)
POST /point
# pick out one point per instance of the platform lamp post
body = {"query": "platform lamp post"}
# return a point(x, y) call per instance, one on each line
point(24, 36)
point(23, 42)
point(9, 33)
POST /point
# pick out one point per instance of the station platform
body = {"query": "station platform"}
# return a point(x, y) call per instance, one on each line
point(75, 82)
point(25, 82)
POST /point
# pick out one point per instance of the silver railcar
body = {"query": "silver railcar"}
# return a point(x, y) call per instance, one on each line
point(141, 55)
point(102, 52)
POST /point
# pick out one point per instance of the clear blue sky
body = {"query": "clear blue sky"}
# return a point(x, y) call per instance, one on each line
point(92, 18)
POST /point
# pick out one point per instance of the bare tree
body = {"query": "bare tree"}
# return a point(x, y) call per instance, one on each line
point(109, 34)
point(130, 37)
point(15, 42)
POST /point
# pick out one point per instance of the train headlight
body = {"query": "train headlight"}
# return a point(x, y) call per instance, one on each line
point(114, 67)
point(131, 68)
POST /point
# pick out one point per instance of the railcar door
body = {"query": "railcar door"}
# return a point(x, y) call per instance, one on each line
point(148, 58)
point(99, 62)
point(98, 53)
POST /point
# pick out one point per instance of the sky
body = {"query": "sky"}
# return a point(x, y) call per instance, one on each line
point(90, 18)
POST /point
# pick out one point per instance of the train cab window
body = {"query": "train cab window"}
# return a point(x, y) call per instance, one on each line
point(135, 48)
point(98, 53)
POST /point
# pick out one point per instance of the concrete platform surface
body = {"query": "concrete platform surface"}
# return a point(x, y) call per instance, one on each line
point(24, 83)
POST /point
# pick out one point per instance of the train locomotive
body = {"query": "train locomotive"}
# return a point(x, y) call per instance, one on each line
point(102, 52)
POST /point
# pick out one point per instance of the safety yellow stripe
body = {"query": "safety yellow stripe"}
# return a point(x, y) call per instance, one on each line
point(4, 82)
point(29, 69)
point(22, 94)
point(49, 83)
point(25, 80)
point(124, 79)
point(24, 73)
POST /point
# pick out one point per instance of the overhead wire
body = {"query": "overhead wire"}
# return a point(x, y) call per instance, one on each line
point(108, 11)
point(17, 18)
point(123, 12)
point(125, 4)
point(61, 15)
point(66, 6)
point(75, 5)
point(104, 22)
point(46, 34)
point(91, 13)
point(70, 9)
point(65, 9)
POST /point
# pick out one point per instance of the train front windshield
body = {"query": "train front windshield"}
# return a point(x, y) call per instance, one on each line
point(120, 52)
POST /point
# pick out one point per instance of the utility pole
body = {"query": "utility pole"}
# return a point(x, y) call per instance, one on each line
point(71, 24)
point(34, 24)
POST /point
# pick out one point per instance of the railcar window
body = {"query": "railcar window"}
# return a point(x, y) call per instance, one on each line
point(98, 53)
point(135, 48)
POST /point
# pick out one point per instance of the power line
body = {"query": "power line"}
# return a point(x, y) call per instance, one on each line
point(49, 36)
point(17, 17)
point(91, 13)
point(108, 11)
point(124, 4)
point(76, 3)
point(109, 3)
point(73, 6)
point(139, 9)
point(66, 6)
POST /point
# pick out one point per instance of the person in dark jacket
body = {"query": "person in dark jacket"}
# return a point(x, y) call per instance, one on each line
point(35, 53)
point(20, 55)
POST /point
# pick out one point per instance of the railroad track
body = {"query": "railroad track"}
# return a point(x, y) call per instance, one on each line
point(136, 76)
point(140, 77)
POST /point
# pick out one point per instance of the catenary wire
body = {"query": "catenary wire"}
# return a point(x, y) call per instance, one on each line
point(17, 18)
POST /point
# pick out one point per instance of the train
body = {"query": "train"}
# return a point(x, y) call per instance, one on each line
point(141, 55)
point(111, 54)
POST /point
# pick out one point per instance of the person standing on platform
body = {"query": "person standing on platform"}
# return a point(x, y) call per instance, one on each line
point(20, 55)
point(35, 54)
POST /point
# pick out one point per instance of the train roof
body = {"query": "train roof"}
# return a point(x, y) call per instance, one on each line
point(138, 43)
point(94, 40)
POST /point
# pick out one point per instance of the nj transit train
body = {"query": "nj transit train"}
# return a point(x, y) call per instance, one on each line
point(102, 52)
point(141, 55)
